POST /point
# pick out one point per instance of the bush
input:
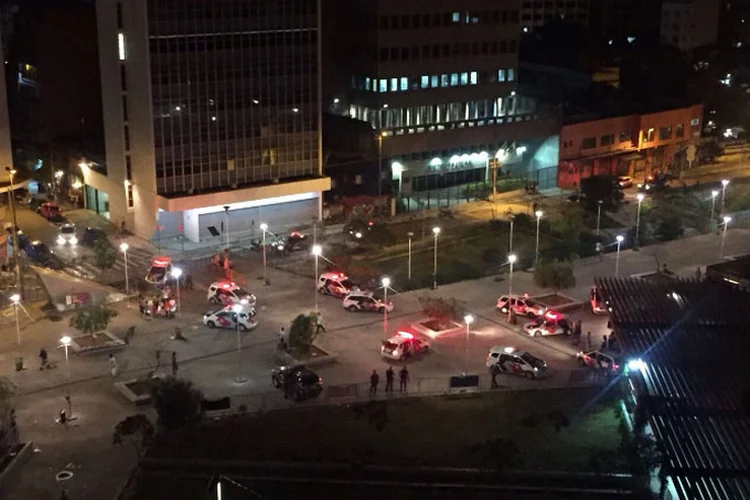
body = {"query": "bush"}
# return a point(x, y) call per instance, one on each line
point(105, 254)
point(441, 308)
point(176, 402)
point(670, 228)
point(555, 274)
point(302, 332)
point(92, 319)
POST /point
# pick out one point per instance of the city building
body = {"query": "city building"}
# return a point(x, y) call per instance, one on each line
point(437, 80)
point(689, 24)
point(212, 120)
point(6, 153)
point(734, 23)
point(537, 13)
point(622, 23)
point(637, 145)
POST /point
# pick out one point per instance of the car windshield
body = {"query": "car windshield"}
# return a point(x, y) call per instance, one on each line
point(68, 230)
point(533, 361)
point(347, 283)
point(389, 346)
point(308, 378)
point(241, 292)
point(156, 273)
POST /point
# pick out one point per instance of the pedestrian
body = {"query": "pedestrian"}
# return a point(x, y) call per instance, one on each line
point(282, 334)
point(389, 379)
point(319, 324)
point(604, 343)
point(113, 365)
point(698, 273)
point(175, 367)
point(374, 380)
point(158, 358)
point(42, 358)
point(403, 379)
point(577, 331)
point(494, 370)
point(588, 341)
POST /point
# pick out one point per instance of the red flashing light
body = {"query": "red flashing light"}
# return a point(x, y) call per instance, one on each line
point(370, 223)
point(160, 262)
point(294, 233)
point(552, 315)
point(405, 335)
point(228, 285)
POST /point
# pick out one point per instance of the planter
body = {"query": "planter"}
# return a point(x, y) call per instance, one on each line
point(315, 357)
point(136, 390)
point(93, 343)
point(434, 328)
point(558, 302)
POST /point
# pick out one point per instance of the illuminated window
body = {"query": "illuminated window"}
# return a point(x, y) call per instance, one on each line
point(443, 80)
point(394, 84)
point(454, 79)
point(434, 81)
point(501, 75)
point(367, 83)
point(649, 135)
point(404, 84)
point(464, 78)
point(456, 17)
point(129, 194)
point(383, 85)
point(121, 46)
point(473, 77)
point(425, 83)
point(511, 74)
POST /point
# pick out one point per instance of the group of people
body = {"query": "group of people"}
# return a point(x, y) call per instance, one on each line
point(403, 380)
point(163, 304)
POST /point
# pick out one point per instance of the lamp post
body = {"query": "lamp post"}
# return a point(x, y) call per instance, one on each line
point(539, 215)
point(226, 219)
point(619, 239)
point(724, 184)
point(177, 272)
point(435, 232)
point(381, 135)
point(510, 239)
point(468, 319)
point(264, 228)
point(237, 308)
point(16, 299)
point(316, 251)
point(410, 235)
point(65, 341)
point(639, 197)
point(511, 260)
point(727, 220)
point(598, 216)
point(124, 249)
point(386, 283)
point(16, 251)
point(714, 194)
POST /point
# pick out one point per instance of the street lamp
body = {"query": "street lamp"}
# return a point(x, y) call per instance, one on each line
point(714, 194)
point(124, 249)
point(386, 283)
point(598, 216)
point(435, 232)
point(510, 239)
point(410, 235)
point(177, 272)
point(511, 260)
point(381, 135)
point(16, 299)
point(468, 319)
point(538, 214)
point(65, 341)
point(264, 228)
point(237, 308)
point(727, 220)
point(639, 197)
point(16, 250)
point(317, 250)
point(724, 184)
point(619, 239)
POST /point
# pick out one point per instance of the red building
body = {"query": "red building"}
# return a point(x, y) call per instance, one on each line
point(634, 145)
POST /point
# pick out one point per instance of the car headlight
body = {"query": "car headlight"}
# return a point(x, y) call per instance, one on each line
point(73, 240)
point(536, 369)
point(60, 240)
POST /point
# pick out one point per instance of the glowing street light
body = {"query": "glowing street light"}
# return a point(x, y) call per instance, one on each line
point(16, 300)
point(264, 228)
point(65, 341)
point(714, 194)
point(124, 249)
point(598, 216)
point(435, 232)
point(468, 319)
point(386, 283)
point(177, 272)
point(619, 239)
point(539, 215)
point(317, 250)
point(640, 198)
point(724, 184)
point(727, 220)
point(511, 260)
point(410, 235)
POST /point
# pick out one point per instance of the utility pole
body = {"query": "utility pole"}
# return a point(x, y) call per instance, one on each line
point(16, 250)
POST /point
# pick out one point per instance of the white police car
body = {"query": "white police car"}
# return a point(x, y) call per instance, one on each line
point(511, 360)
point(403, 345)
point(366, 301)
point(227, 318)
point(228, 292)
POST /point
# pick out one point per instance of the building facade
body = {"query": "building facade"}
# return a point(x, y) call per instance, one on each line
point(211, 115)
point(633, 145)
point(537, 13)
point(689, 24)
point(438, 82)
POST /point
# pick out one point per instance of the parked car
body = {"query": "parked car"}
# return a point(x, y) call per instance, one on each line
point(597, 304)
point(522, 304)
point(552, 323)
point(49, 210)
point(599, 361)
point(625, 181)
point(366, 301)
point(227, 318)
point(40, 253)
point(511, 360)
point(403, 345)
point(229, 292)
point(297, 381)
point(336, 284)
point(91, 235)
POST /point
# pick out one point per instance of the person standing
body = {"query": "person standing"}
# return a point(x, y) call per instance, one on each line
point(175, 367)
point(319, 324)
point(158, 358)
point(389, 379)
point(42, 358)
point(113, 365)
point(604, 343)
point(588, 341)
point(282, 335)
point(374, 380)
point(403, 379)
point(494, 370)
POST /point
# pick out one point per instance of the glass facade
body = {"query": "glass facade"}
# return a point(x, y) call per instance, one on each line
point(234, 89)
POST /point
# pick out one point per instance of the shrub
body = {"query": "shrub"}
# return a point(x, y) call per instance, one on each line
point(92, 319)
point(302, 332)
point(555, 274)
point(105, 254)
point(176, 402)
point(441, 308)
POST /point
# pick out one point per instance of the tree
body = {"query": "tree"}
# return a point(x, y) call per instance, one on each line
point(135, 424)
point(670, 228)
point(555, 274)
point(302, 333)
point(176, 402)
point(569, 224)
point(604, 188)
point(442, 309)
point(92, 319)
point(105, 254)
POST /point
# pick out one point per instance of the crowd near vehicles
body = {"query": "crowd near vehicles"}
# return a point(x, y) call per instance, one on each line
point(297, 381)
point(336, 284)
point(226, 317)
point(228, 292)
point(403, 345)
point(599, 360)
point(551, 323)
point(511, 360)
point(521, 304)
point(365, 301)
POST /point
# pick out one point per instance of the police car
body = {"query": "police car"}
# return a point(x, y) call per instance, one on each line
point(598, 306)
point(403, 345)
point(599, 360)
point(522, 304)
point(228, 292)
point(366, 301)
point(552, 323)
point(336, 284)
point(511, 360)
point(227, 318)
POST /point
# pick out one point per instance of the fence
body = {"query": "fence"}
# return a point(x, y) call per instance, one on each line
point(419, 387)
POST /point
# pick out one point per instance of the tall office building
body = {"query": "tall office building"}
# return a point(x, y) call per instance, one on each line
point(536, 13)
point(438, 82)
point(6, 153)
point(689, 24)
point(211, 114)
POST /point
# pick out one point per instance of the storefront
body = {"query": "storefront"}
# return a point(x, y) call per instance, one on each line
point(98, 201)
